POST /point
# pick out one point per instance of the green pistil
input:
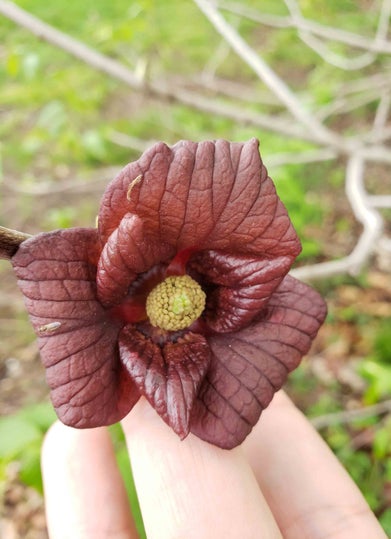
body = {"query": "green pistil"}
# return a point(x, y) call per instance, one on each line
point(175, 303)
point(181, 304)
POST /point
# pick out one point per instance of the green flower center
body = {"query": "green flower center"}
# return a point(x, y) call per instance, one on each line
point(175, 303)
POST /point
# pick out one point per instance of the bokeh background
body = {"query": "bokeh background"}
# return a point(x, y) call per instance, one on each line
point(311, 79)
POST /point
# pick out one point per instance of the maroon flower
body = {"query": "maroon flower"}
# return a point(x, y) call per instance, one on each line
point(181, 295)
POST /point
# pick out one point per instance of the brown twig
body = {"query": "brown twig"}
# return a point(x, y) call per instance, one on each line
point(10, 241)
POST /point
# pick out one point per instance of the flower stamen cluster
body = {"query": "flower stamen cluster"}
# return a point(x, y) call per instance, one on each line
point(175, 303)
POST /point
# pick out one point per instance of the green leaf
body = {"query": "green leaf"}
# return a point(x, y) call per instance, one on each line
point(42, 415)
point(379, 378)
point(52, 117)
point(16, 433)
point(122, 456)
point(62, 217)
point(385, 521)
point(94, 144)
point(127, 476)
point(13, 64)
point(382, 442)
point(30, 467)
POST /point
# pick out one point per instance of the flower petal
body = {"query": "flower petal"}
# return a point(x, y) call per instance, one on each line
point(209, 195)
point(168, 375)
point(249, 366)
point(127, 252)
point(245, 285)
point(77, 342)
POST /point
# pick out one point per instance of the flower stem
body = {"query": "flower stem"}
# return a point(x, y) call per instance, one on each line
point(10, 241)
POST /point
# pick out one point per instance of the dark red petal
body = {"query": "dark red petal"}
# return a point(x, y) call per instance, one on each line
point(127, 252)
point(208, 195)
point(169, 376)
point(245, 285)
point(78, 343)
point(122, 194)
point(249, 366)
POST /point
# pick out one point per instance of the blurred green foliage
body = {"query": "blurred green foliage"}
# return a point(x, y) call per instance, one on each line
point(20, 439)
point(376, 368)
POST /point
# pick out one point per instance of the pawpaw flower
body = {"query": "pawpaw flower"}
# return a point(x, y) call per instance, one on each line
point(180, 295)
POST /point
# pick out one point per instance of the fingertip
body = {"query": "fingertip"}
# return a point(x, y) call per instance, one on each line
point(84, 492)
point(58, 438)
point(191, 488)
point(140, 417)
point(308, 490)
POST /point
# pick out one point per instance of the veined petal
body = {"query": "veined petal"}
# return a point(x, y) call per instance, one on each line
point(168, 375)
point(123, 193)
point(249, 366)
point(78, 343)
point(208, 195)
point(244, 286)
point(128, 251)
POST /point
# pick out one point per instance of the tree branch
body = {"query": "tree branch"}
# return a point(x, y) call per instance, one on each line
point(379, 45)
point(300, 158)
point(367, 215)
point(384, 21)
point(10, 241)
point(320, 133)
point(318, 46)
point(348, 416)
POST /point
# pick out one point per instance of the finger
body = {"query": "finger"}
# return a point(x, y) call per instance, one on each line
point(309, 492)
point(84, 493)
point(190, 488)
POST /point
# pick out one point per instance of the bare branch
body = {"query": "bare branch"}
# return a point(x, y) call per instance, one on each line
point(318, 46)
point(128, 141)
point(320, 133)
point(348, 64)
point(349, 416)
point(322, 270)
point(276, 21)
point(269, 122)
point(378, 154)
point(378, 45)
point(380, 81)
point(300, 158)
point(230, 88)
point(379, 201)
point(10, 241)
point(382, 112)
point(79, 185)
point(384, 21)
point(370, 219)
point(215, 60)
point(349, 38)
point(347, 104)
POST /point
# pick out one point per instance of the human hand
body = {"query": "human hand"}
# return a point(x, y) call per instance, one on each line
point(282, 482)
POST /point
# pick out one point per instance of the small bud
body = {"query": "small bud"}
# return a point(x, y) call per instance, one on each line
point(49, 328)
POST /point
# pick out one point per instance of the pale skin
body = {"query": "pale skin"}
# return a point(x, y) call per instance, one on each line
point(282, 482)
